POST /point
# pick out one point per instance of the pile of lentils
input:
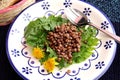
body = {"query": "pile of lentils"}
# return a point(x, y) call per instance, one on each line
point(65, 40)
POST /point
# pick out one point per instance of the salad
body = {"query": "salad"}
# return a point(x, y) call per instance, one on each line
point(58, 43)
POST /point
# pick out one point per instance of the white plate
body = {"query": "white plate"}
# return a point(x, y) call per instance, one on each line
point(19, 54)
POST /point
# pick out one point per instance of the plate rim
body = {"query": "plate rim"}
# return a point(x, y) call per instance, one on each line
point(97, 77)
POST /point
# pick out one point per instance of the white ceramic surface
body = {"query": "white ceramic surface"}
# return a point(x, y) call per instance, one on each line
point(19, 54)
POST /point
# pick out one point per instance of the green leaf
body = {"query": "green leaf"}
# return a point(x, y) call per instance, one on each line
point(63, 64)
point(36, 31)
point(36, 35)
point(51, 52)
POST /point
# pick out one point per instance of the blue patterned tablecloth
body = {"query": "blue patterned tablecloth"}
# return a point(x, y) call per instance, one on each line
point(110, 7)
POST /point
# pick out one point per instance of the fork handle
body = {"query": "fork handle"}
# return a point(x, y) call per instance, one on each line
point(115, 37)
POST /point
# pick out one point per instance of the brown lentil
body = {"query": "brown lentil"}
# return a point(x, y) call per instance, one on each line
point(65, 40)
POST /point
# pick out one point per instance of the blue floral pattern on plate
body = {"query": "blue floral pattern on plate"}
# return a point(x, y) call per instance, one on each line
point(87, 11)
point(27, 70)
point(67, 3)
point(15, 53)
point(45, 5)
point(108, 44)
point(31, 67)
point(104, 25)
point(27, 17)
point(14, 31)
point(99, 65)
